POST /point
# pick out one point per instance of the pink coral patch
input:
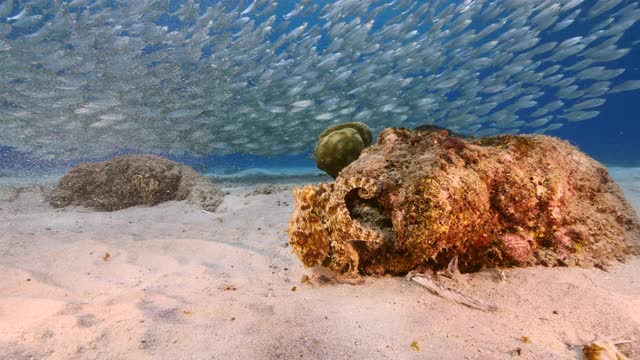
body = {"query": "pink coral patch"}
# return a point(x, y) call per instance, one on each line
point(518, 248)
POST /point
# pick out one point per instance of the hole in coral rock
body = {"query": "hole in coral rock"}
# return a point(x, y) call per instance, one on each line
point(368, 212)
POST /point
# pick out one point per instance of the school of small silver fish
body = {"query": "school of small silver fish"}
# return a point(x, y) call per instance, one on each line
point(86, 78)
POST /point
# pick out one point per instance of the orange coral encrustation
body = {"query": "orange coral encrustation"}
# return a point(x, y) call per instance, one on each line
point(417, 199)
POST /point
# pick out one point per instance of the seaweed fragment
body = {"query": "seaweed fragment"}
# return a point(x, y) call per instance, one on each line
point(603, 350)
point(415, 346)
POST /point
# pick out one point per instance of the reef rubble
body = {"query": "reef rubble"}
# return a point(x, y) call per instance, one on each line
point(132, 180)
point(418, 200)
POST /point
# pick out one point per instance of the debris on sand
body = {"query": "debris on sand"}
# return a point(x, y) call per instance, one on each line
point(449, 293)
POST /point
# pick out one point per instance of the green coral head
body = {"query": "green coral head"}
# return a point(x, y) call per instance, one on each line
point(340, 145)
point(362, 129)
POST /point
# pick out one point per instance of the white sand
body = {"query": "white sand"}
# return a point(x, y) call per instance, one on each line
point(184, 284)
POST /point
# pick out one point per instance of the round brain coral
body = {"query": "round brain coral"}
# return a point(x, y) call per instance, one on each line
point(340, 145)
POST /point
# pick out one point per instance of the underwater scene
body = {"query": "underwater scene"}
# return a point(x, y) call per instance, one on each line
point(350, 179)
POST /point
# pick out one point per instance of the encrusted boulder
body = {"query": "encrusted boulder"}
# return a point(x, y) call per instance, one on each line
point(417, 200)
point(131, 180)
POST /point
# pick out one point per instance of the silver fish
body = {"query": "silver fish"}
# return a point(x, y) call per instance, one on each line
point(629, 85)
point(107, 70)
point(580, 115)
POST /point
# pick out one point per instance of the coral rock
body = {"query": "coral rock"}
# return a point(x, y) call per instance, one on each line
point(131, 180)
point(417, 199)
point(340, 145)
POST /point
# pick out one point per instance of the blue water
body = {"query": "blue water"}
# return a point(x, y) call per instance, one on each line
point(612, 137)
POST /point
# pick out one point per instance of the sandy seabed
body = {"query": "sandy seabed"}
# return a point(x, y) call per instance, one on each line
point(174, 282)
